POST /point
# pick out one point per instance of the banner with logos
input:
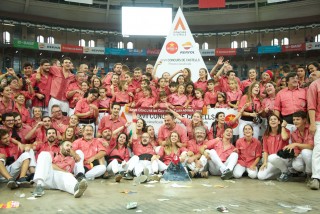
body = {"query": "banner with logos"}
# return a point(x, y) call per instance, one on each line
point(93, 50)
point(292, 48)
point(25, 44)
point(179, 50)
point(115, 51)
point(312, 46)
point(269, 49)
point(71, 48)
point(207, 52)
point(244, 51)
point(226, 51)
point(49, 47)
point(154, 52)
point(136, 52)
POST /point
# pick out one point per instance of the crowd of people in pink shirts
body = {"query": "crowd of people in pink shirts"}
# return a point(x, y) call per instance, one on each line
point(60, 129)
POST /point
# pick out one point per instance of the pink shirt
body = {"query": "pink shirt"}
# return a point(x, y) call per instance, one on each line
point(272, 144)
point(83, 107)
point(44, 86)
point(10, 150)
point(234, 95)
point(139, 149)
point(194, 147)
point(307, 138)
point(104, 104)
point(25, 129)
point(108, 91)
point(120, 154)
point(248, 152)
point(219, 131)
point(197, 103)
point(177, 100)
point(222, 152)
point(268, 102)
point(74, 99)
point(136, 83)
point(256, 104)
point(6, 108)
point(60, 83)
point(167, 158)
point(289, 101)
point(164, 133)
point(25, 114)
point(64, 162)
point(121, 97)
point(245, 83)
point(314, 98)
point(223, 80)
point(202, 85)
point(89, 148)
point(45, 147)
point(188, 124)
point(108, 122)
point(146, 102)
point(210, 98)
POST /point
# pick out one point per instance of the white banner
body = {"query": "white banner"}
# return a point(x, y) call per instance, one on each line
point(312, 46)
point(94, 50)
point(49, 47)
point(275, 1)
point(179, 50)
point(156, 120)
point(82, 1)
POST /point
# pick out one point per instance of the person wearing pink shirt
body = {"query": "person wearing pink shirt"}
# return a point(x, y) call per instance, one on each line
point(163, 101)
point(196, 120)
point(186, 73)
point(38, 132)
point(221, 100)
point(122, 96)
point(7, 103)
point(147, 101)
point(117, 69)
point(179, 98)
point(252, 74)
point(203, 80)
point(137, 77)
point(61, 78)
point(139, 93)
point(21, 128)
point(171, 149)
point(91, 153)
point(290, 100)
point(114, 86)
point(189, 93)
point(302, 77)
point(222, 158)
point(268, 102)
point(36, 116)
point(266, 78)
point(197, 102)
point(314, 115)
point(74, 92)
point(210, 97)
point(58, 119)
point(225, 74)
point(275, 138)
point(170, 126)
point(104, 103)
point(302, 144)
point(20, 107)
point(234, 95)
point(41, 82)
point(54, 173)
point(131, 87)
point(193, 157)
point(252, 97)
point(112, 121)
point(249, 154)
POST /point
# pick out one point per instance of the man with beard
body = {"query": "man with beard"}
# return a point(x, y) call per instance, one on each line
point(117, 69)
point(91, 153)
point(21, 128)
point(56, 173)
point(41, 82)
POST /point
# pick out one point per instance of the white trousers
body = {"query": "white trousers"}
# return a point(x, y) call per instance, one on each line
point(116, 167)
point(302, 163)
point(153, 166)
point(64, 105)
point(316, 154)
point(53, 179)
point(95, 172)
point(239, 170)
point(270, 172)
point(279, 163)
point(216, 166)
point(256, 128)
point(14, 169)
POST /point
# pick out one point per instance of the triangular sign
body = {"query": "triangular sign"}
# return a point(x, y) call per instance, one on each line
point(179, 51)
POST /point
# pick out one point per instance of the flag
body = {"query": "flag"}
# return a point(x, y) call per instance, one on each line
point(212, 3)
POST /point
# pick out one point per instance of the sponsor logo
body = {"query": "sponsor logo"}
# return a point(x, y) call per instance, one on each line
point(179, 24)
point(187, 45)
point(172, 47)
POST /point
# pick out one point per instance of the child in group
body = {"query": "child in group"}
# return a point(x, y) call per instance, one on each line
point(122, 96)
point(104, 103)
point(181, 80)
point(131, 88)
point(198, 102)
point(173, 87)
point(77, 96)
point(210, 97)
point(163, 101)
point(139, 93)
point(222, 100)
point(114, 87)
point(203, 80)
point(189, 93)
point(162, 86)
point(147, 101)
point(234, 94)
point(179, 98)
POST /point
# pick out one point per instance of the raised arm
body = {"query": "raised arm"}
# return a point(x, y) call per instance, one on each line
point(176, 115)
point(215, 68)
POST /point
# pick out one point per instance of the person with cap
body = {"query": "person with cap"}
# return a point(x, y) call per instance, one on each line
point(290, 100)
point(265, 78)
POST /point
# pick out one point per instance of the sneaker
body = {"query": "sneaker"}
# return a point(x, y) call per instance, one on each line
point(12, 184)
point(38, 191)
point(128, 175)
point(80, 176)
point(308, 179)
point(191, 174)
point(23, 182)
point(154, 178)
point(204, 174)
point(80, 188)
point(117, 177)
point(227, 174)
point(314, 184)
point(140, 179)
point(284, 177)
point(106, 175)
